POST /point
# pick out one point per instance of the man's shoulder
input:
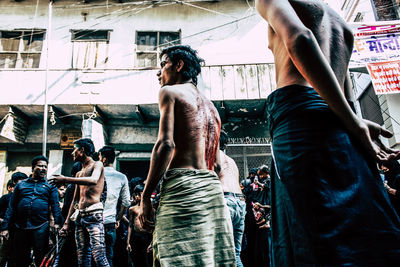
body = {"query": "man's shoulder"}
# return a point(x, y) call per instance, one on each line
point(5, 197)
point(177, 90)
point(23, 183)
point(168, 90)
point(110, 171)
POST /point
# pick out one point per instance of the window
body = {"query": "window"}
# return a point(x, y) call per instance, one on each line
point(20, 49)
point(149, 45)
point(90, 48)
point(359, 17)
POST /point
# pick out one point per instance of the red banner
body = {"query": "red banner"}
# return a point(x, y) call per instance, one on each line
point(385, 76)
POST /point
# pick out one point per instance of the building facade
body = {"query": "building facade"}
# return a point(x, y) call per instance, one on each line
point(383, 109)
point(93, 65)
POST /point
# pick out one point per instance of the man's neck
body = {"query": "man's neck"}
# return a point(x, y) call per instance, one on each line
point(37, 179)
point(87, 161)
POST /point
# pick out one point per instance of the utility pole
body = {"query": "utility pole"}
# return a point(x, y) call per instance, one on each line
point(46, 84)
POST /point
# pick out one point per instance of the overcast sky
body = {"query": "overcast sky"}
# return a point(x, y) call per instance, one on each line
point(335, 4)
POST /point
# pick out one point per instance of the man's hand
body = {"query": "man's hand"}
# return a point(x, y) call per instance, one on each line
point(392, 191)
point(3, 236)
point(117, 224)
point(55, 228)
point(146, 215)
point(64, 230)
point(150, 248)
point(56, 180)
point(369, 133)
point(128, 247)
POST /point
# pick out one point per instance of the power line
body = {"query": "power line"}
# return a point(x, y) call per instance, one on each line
point(373, 100)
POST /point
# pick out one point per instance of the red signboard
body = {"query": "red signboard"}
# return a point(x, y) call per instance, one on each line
point(385, 76)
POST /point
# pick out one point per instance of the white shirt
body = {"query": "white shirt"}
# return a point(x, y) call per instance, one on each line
point(117, 187)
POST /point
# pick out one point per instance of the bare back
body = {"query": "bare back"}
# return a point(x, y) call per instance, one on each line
point(196, 129)
point(333, 36)
point(229, 174)
point(90, 194)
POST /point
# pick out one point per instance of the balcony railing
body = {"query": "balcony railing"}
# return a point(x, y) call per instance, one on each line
point(129, 86)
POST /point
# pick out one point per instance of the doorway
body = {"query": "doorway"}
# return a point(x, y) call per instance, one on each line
point(134, 168)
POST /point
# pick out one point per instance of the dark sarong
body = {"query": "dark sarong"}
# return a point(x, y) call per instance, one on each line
point(193, 225)
point(329, 206)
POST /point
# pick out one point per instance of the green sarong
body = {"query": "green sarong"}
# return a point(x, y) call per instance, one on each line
point(193, 226)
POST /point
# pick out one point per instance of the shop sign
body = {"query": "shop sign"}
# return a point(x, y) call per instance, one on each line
point(68, 137)
point(376, 43)
point(385, 76)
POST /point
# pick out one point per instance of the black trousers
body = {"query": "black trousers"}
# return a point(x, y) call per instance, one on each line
point(25, 240)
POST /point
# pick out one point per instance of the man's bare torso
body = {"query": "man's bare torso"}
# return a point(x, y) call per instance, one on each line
point(333, 36)
point(89, 194)
point(196, 128)
point(229, 174)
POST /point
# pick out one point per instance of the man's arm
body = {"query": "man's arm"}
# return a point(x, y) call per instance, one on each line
point(165, 145)
point(375, 130)
point(12, 206)
point(125, 200)
point(128, 238)
point(309, 60)
point(218, 162)
point(71, 210)
point(55, 206)
point(161, 155)
point(91, 180)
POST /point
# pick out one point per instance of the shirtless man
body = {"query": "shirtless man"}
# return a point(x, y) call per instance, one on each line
point(191, 214)
point(138, 242)
point(328, 203)
point(228, 173)
point(89, 230)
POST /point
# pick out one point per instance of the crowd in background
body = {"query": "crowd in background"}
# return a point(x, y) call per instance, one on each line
point(126, 245)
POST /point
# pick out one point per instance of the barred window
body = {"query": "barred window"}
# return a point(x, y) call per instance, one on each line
point(149, 45)
point(21, 49)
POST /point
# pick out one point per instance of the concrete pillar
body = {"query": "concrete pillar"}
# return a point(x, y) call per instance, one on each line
point(394, 110)
point(3, 169)
point(55, 162)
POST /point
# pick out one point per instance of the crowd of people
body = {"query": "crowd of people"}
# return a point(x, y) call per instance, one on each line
point(105, 234)
point(322, 201)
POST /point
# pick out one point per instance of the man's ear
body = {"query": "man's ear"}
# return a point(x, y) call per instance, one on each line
point(179, 65)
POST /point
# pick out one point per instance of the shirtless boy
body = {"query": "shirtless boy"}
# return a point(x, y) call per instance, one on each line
point(89, 231)
point(193, 227)
point(228, 173)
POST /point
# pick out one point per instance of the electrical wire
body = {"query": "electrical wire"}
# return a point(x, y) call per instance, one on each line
point(205, 9)
point(384, 111)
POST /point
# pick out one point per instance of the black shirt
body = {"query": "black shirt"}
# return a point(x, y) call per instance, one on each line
point(30, 204)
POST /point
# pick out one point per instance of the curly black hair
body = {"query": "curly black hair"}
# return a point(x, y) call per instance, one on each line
point(87, 145)
point(223, 140)
point(192, 63)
